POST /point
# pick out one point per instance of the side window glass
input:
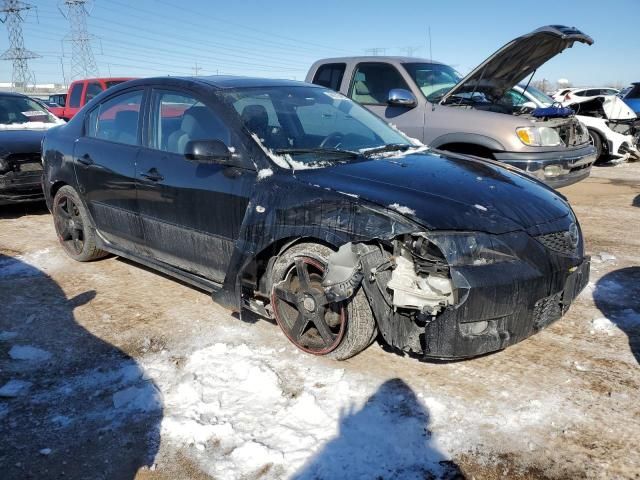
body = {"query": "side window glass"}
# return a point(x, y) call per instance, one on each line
point(330, 75)
point(93, 90)
point(76, 95)
point(116, 119)
point(179, 118)
point(372, 82)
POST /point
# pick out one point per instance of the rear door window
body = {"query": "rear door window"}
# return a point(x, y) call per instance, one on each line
point(330, 75)
point(373, 81)
point(117, 119)
point(76, 95)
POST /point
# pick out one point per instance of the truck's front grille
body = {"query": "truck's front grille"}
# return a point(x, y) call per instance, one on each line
point(24, 162)
point(573, 133)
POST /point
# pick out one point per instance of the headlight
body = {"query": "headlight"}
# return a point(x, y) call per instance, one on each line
point(472, 248)
point(538, 136)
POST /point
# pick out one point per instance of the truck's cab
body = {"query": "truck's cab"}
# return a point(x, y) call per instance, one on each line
point(82, 91)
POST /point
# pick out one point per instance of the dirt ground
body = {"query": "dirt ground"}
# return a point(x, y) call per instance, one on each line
point(98, 348)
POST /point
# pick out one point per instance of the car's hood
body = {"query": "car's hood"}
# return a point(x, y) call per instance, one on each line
point(20, 141)
point(516, 60)
point(446, 192)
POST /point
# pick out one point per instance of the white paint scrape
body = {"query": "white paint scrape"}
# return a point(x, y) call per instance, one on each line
point(402, 209)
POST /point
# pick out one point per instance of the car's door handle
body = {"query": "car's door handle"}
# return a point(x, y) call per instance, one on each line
point(152, 175)
point(85, 159)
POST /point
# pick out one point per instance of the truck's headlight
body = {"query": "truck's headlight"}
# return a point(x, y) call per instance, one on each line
point(539, 136)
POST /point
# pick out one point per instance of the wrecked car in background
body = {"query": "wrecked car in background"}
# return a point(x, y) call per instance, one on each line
point(614, 126)
point(430, 101)
point(295, 202)
point(22, 125)
point(613, 139)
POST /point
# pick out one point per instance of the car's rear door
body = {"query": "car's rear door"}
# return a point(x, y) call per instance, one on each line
point(105, 164)
point(191, 212)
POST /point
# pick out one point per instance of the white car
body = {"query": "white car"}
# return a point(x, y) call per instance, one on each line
point(571, 94)
point(608, 142)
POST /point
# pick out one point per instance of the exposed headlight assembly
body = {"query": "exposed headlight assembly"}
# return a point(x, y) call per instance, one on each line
point(539, 136)
point(472, 248)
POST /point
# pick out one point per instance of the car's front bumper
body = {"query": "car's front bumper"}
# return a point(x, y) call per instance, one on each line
point(17, 187)
point(556, 169)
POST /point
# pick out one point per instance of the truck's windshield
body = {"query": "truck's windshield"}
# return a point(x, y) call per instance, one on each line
point(433, 79)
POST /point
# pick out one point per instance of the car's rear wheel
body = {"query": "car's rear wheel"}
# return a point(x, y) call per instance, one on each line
point(73, 226)
point(597, 143)
point(313, 324)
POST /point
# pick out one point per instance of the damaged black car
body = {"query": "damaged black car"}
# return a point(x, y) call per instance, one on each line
point(294, 202)
point(23, 123)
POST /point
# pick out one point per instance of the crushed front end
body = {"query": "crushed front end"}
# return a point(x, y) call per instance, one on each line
point(20, 177)
point(455, 295)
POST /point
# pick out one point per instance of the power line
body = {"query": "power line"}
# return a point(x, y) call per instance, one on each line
point(83, 63)
point(21, 76)
point(376, 51)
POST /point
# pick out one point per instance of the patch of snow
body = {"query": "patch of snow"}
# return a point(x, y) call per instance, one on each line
point(414, 141)
point(4, 336)
point(264, 173)
point(61, 420)
point(30, 125)
point(30, 264)
point(480, 207)
point(45, 451)
point(14, 388)
point(603, 257)
point(280, 160)
point(602, 324)
point(144, 399)
point(27, 352)
point(349, 194)
point(402, 209)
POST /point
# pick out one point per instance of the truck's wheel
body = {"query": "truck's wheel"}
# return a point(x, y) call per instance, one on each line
point(73, 226)
point(301, 309)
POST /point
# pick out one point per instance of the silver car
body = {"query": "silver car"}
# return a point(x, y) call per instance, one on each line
point(430, 101)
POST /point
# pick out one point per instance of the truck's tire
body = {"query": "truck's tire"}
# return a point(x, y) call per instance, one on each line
point(339, 331)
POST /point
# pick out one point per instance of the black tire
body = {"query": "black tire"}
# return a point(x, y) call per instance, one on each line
point(356, 327)
point(597, 143)
point(76, 234)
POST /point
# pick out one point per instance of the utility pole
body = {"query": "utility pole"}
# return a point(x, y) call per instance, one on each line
point(376, 51)
point(409, 50)
point(83, 63)
point(196, 70)
point(21, 77)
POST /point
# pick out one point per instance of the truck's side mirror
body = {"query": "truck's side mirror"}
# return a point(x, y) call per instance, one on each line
point(207, 151)
point(399, 97)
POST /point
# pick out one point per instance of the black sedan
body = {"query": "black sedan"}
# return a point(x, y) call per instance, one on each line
point(294, 202)
point(22, 125)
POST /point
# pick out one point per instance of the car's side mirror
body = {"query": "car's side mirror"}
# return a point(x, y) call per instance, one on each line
point(207, 151)
point(399, 97)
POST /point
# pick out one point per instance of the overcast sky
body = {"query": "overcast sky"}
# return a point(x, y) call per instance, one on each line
point(282, 38)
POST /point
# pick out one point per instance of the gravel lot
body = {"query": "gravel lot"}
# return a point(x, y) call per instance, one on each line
point(110, 370)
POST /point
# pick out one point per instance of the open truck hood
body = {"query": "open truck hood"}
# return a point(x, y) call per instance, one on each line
point(516, 60)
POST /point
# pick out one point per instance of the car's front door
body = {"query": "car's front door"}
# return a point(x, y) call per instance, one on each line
point(105, 164)
point(370, 86)
point(191, 211)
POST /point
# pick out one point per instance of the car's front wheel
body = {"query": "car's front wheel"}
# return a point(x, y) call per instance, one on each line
point(313, 324)
point(73, 226)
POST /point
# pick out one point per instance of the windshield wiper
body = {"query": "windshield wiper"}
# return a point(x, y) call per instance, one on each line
point(391, 147)
point(321, 151)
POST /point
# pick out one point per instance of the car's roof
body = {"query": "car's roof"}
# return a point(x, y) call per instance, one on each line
point(228, 81)
point(12, 94)
point(378, 58)
point(103, 79)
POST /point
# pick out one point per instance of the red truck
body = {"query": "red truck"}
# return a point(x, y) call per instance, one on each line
point(81, 92)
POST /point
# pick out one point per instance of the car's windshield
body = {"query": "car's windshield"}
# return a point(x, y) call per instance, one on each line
point(314, 124)
point(538, 95)
point(433, 79)
point(17, 109)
